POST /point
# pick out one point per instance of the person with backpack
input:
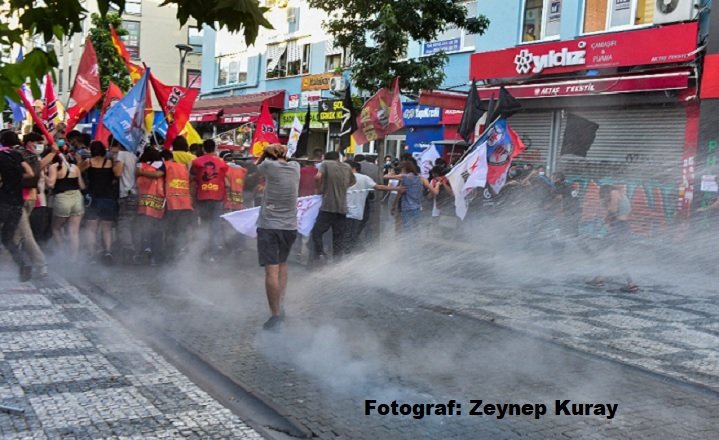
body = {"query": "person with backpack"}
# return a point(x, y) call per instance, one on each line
point(13, 168)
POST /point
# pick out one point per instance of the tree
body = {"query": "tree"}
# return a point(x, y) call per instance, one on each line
point(112, 66)
point(377, 33)
point(58, 19)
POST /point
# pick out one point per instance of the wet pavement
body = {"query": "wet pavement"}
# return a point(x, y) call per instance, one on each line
point(389, 328)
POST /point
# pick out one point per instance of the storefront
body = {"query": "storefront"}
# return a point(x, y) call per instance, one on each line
point(638, 87)
point(318, 129)
point(421, 126)
point(220, 115)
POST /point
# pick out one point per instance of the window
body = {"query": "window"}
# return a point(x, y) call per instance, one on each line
point(333, 62)
point(194, 38)
point(453, 38)
point(132, 39)
point(231, 69)
point(194, 79)
point(288, 59)
point(601, 15)
point(133, 7)
point(542, 19)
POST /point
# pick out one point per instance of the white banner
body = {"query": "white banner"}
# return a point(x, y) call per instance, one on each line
point(245, 221)
point(294, 137)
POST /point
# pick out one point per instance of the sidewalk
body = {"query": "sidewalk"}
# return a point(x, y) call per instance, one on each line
point(77, 373)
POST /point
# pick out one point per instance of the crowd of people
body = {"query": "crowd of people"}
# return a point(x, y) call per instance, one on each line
point(97, 203)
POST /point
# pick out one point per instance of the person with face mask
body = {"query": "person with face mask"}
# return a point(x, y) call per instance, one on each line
point(23, 234)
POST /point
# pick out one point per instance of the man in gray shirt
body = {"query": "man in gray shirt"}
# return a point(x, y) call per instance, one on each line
point(277, 224)
point(333, 179)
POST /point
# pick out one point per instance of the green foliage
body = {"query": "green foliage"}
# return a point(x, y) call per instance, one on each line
point(56, 19)
point(377, 33)
point(112, 66)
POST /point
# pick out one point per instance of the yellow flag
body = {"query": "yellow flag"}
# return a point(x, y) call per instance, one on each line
point(191, 134)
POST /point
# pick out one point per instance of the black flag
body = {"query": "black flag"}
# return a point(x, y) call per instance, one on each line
point(579, 135)
point(349, 121)
point(507, 105)
point(304, 136)
point(472, 112)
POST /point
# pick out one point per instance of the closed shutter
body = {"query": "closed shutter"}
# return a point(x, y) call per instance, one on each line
point(535, 130)
point(638, 148)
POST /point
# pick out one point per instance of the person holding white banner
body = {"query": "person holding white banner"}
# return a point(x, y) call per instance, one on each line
point(277, 224)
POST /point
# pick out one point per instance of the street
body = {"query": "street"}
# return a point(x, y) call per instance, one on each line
point(360, 332)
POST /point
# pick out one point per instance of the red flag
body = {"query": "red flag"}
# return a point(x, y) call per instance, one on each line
point(380, 116)
point(49, 111)
point(176, 102)
point(112, 95)
point(28, 105)
point(86, 91)
point(265, 133)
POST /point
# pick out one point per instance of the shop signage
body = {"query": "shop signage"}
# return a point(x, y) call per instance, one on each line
point(415, 115)
point(599, 86)
point(317, 82)
point(662, 45)
point(293, 101)
point(432, 47)
point(286, 119)
point(330, 110)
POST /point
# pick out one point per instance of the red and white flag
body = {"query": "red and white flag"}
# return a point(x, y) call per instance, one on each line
point(49, 110)
point(86, 91)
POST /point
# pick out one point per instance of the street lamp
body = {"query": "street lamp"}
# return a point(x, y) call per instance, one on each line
point(184, 50)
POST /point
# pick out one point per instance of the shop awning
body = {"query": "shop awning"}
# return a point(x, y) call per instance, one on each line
point(236, 109)
point(559, 89)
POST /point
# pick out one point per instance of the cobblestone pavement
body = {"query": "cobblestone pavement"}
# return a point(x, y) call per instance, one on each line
point(77, 374)
point(379, 330)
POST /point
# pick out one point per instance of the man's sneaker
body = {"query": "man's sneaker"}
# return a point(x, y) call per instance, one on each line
point(107, 258)
point(25, 273)
point(41, 271)
point(272, 323)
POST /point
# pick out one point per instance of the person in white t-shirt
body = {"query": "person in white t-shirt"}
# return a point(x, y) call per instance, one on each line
point(356, 199)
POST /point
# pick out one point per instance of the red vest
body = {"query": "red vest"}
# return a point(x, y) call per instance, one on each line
point(150, 194)
point(233, 197)
point(177, 187)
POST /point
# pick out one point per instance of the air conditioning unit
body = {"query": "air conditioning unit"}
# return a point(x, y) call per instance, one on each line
point(338, 84)
point(669, 11)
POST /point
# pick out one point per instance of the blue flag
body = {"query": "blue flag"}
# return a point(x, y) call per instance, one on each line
point(126, 119)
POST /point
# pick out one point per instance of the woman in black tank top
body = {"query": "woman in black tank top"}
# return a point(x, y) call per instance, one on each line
point(102, 186)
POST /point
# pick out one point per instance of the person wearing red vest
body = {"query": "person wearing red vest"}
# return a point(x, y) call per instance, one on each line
point(151, 201)
point(208, 179)
point(179, 215)
point(235, 184)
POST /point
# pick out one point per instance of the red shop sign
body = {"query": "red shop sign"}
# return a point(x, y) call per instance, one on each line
point(661, 45)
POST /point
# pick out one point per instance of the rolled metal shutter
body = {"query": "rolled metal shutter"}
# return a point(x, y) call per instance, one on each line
point(535, 129)
point(640, 148)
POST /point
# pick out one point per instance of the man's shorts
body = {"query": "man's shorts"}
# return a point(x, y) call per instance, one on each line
point(274, 245)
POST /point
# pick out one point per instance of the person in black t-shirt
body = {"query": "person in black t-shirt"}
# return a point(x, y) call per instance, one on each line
point(13, 169)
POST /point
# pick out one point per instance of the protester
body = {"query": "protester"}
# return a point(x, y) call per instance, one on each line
point(333, 179)
point(68, 205)
point(102, 187)
point(127, 201)
point(371, 170)
point(208, 178)
point(23, 235)
point(181, 153)
point(308, 171)
point(410, 188)
point(618, 207)
point(277, 225)
point(356, 201)
point(235, 185)
point(179, 215)
point(13, 169)
point(150, 202)
point(79, 143)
